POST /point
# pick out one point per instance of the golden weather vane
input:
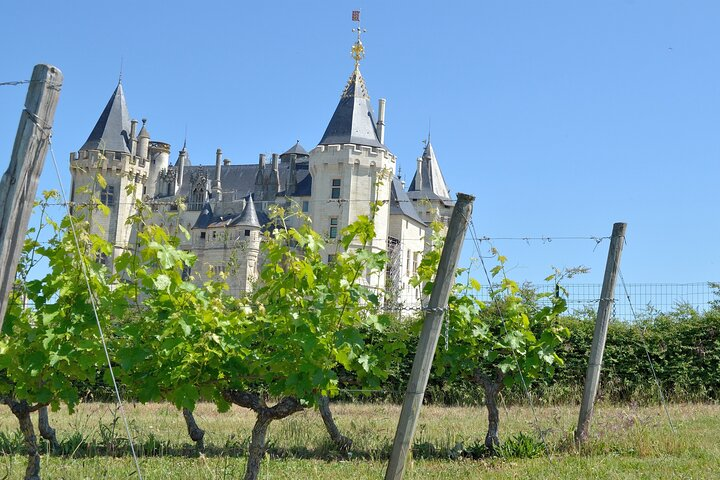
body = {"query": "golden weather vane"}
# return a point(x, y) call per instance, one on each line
point(357, 51)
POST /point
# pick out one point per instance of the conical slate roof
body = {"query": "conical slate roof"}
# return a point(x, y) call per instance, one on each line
point(248, 217)
point(297, 149)
point(353, 121)
point(432, 181)
point(112, 130)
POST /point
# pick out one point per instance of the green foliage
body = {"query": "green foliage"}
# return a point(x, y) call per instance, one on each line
point(521, 445)
point(304, 322)
point(684, 347)
point(46, 348)
point(509, 340)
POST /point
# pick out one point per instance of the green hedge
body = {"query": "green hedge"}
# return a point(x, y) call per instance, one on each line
point(684, 347)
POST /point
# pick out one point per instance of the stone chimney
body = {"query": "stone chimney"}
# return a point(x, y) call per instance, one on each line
point(381, 121)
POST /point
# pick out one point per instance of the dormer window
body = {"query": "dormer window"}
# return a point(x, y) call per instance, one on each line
point(197, 199)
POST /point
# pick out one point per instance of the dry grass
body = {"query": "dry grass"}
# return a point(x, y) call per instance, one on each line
point(626, 442)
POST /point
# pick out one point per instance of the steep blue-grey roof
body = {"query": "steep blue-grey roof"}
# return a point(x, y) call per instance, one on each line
point(248, 217)
point(239, 180)
point(112, 130)
point(297, 149)
point(400, 204)
point(352, 121)
point(205, 218)
point(429, 181)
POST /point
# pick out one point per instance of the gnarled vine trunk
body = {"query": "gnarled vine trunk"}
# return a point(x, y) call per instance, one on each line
point(265, 415)
point(342, 442)
point(46, 431)
point(492, 386)
point(22, 412)
point(196, 433)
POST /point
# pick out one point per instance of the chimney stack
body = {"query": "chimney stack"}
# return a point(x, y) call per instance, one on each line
point(292, 176)
point(274, 178)
point(381, 121)
point(419, 175)
point(133, 138)
point(217, 189)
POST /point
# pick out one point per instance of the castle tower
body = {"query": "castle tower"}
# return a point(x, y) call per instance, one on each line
point(227, 245)
point(428, 190)
point(111, 152)
point(351, 167)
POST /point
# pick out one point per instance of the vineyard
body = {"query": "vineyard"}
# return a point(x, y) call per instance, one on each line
point(134, 369)
point(310, 332)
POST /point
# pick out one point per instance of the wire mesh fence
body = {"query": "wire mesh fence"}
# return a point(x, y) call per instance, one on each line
point(645, 299)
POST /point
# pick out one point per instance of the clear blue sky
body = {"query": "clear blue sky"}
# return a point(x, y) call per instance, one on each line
point(561, 117)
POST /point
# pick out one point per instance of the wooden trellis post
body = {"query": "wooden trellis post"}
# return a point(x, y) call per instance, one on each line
point(444, 280)
point(605, 306)
point(19, 183)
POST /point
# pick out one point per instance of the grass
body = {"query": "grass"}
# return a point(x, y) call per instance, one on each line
point(626, 442)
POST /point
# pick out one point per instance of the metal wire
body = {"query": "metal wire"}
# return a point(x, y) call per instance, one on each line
point(647, 354)
point(476, 242)
point(93, 302)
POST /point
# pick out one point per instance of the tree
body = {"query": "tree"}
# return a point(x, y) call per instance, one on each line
point(50, 337)
point(507, 342)
point(283, 341)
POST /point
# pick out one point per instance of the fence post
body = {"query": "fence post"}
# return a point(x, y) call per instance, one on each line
point(444, 280)
point(19, 183)
point(600, 334)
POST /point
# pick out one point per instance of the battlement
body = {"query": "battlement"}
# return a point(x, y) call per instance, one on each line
point(118, 162)
point(352, 148)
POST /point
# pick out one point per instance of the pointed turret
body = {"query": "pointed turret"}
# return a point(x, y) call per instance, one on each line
point(112, 130)
point(248, 217)
point(428, 177)
point(300, 153)
point(353, 120)
point(143, 141)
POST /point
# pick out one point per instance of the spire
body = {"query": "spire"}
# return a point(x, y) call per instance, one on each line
point(112, 130)
point(428, 177)
point(353, 120)
point(143, 131)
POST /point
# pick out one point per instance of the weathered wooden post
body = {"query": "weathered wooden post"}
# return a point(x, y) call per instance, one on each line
point(444, 280)
point(19, 183)
point(601, 327)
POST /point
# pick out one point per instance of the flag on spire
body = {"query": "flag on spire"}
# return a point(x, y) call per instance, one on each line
point(356, 16)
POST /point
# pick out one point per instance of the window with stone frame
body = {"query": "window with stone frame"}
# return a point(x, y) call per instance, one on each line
point(197, 198)
point(335, 192)
point(107, 196)
point(332, 233)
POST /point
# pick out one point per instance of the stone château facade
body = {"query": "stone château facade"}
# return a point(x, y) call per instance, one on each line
point(226, 205)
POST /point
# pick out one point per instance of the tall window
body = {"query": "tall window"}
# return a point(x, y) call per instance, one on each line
point(333, 227)
point(335, 192)
point(107, 196)
point(305, 206)
point(197, 199)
